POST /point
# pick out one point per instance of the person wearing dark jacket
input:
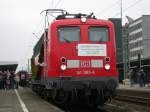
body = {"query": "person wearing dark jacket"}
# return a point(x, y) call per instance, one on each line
point(8, 80)
point(1, 82)
point(141, 77)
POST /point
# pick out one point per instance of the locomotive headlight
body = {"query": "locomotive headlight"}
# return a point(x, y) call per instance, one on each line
point(83, 19)
point(63, 67)
point(107, 67)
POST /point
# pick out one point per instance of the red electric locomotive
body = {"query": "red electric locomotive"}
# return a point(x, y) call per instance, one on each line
point(75, 59)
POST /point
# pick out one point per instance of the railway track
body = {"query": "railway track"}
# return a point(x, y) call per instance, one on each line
point(85, 109)
point(134, 99)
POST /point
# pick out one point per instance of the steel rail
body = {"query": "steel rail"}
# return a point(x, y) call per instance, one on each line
point(133, 99)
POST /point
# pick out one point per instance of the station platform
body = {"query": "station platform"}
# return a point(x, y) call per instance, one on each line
point(24, 100)
point(134, 90)
point(134, 87)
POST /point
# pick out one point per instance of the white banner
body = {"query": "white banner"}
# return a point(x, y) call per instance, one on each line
point(92, 50)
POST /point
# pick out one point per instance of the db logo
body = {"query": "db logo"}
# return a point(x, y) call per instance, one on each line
point(85, 63)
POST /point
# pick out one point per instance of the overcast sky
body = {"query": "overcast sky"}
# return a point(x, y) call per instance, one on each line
point(19, 19)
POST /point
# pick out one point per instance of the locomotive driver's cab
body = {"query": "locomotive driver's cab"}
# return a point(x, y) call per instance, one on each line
point(72, 33)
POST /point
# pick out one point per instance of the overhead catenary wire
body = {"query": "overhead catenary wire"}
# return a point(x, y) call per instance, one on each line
point(109, 7)
point(52, 6)
point(52, 3)
point(46, 20)
point(39, 27)
point(58, 2)
point(132, 5)
point(36, 34)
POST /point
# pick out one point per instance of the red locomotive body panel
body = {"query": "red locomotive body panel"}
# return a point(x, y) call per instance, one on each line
point(69, 50)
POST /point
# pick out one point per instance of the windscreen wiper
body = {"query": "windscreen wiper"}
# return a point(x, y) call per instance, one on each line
point(68, 41)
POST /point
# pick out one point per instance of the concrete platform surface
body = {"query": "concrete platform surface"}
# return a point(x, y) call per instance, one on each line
point(135, 90)
point(9, 102)
point(24, 100)
point(134, 87)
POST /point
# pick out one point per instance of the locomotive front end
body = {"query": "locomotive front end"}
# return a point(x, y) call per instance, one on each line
point(75, 60)
point(83, 59)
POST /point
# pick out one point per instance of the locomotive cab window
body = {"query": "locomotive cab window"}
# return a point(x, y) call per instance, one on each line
point(98, 34)
point(69, 34)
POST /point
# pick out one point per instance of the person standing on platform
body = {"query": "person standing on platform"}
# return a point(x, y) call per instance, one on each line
point(132, 77)
point(1, 80)
point(8, 82)
point(140, 77)
point(4, 80)
point(12, 79)
point(143, 77)
point(17, 81)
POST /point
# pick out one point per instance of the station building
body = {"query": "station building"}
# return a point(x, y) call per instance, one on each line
point(133, 45)
point(138, 36)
